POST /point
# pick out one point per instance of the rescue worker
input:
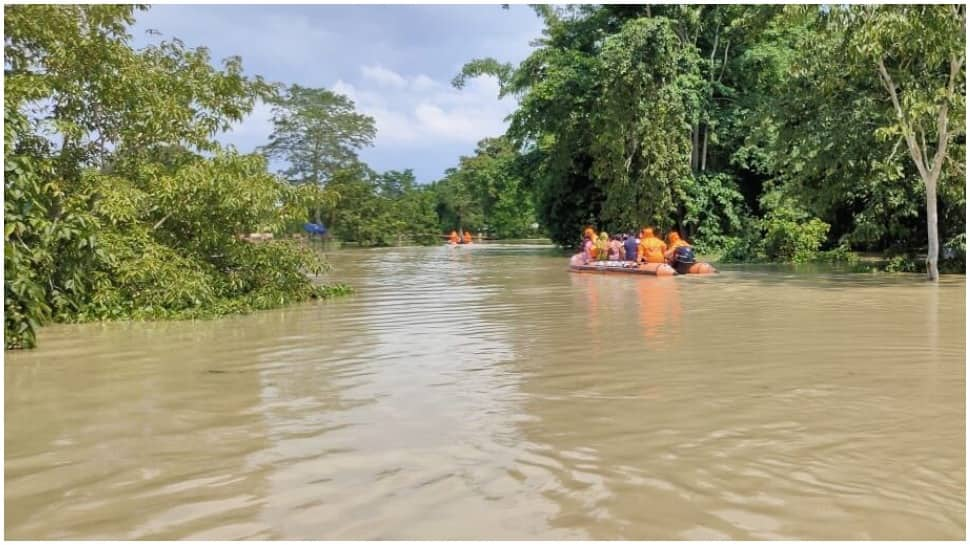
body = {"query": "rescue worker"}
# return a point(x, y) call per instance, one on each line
point(651, 248)
point(603, 247)
point(679, 253)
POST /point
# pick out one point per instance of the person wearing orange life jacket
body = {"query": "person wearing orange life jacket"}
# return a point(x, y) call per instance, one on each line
point(453, 238)
point(467, 238)
point(673, 242)
point(651, 248)
point(679, 254)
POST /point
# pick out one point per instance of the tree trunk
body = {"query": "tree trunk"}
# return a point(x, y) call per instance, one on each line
point(704, 151)
point(695, 147)
point(932, 231)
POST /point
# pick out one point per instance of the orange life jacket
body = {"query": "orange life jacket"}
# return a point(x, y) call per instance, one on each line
point(652, 250)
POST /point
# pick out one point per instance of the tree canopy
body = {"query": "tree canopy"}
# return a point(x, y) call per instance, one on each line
point(317, 133)
point(741, 125)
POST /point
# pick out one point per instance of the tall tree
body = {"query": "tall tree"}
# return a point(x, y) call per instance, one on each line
point(919, 54)
point(869, 84)
point(316, 132)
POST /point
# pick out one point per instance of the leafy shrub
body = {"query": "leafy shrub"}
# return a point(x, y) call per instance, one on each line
point(903, 263)
point(839, 254)
point(789, 240)
point(743, 249)
point(113, 212)
point(714, 210)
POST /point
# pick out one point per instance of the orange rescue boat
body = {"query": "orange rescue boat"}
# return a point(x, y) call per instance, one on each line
point(578, 264)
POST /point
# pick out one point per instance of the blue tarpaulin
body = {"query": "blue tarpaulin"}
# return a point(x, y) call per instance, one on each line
point(314, 228)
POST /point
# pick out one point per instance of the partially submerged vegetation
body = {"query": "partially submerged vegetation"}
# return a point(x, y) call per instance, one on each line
point(761, 132)
point(118, 201)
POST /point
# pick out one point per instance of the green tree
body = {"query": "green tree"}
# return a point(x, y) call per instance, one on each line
point(867, 84)
point(316, 132)
point(488, 191)
point(919, 52)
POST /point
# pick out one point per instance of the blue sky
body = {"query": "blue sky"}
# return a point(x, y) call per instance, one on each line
point(396, 63)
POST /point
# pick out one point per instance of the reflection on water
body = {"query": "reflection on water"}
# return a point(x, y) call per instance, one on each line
point(484, 392)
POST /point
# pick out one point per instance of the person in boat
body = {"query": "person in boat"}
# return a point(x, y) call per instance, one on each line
point(603, 246)
point(679, 254)
point(467, 238)
point(673, 242)
point(651, 249)
point(630, 244)
point(616, 252)
point(589, 244)
point(453, 237)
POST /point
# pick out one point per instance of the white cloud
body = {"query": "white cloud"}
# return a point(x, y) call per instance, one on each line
point(422, 83)
point(425, 113)
point(383, 76)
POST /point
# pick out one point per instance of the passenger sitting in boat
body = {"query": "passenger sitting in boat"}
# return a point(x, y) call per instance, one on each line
point(679, 254)
point(603, 246)
point(616, 249)
point(651, 248)
point(453, 237)
point(467, 238)
point(630, 244)
point(589, 244)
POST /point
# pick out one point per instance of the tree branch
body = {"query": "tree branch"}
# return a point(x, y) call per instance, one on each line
point(161, 221)
point(887, 82)
point(942, 129)
point(922, 138)
point(727, 47)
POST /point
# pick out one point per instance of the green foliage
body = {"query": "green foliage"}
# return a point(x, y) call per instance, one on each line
point(317, 132)
point(903, 263)
point(380, 209)
point(711, 209)
point(839, 254)
point(487, 192)
point(118, 215)
point(793, 241)
point(640, 149)
point(688, 116)
point(748, 248)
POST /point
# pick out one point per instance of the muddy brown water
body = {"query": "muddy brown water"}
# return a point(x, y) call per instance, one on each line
point(485, 392)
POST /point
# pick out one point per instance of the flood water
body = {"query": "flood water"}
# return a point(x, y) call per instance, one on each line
point(486, 392)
